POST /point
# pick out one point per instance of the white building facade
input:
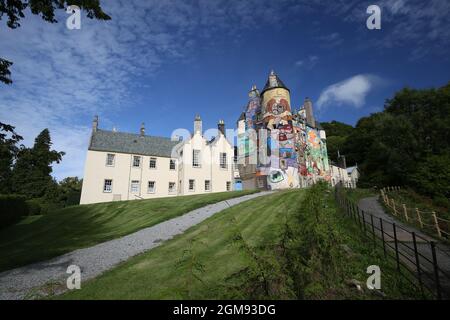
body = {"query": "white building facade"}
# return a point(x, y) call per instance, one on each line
point(125, 166)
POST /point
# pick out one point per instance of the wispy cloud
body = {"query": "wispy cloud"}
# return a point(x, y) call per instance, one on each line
point(63, 77)
point(308, 63)
point(350, 92)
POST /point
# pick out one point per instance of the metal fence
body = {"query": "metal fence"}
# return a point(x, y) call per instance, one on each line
point(418, 259)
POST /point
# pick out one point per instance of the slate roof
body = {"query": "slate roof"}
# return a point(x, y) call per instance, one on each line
point(110, 141)
point(278, 83)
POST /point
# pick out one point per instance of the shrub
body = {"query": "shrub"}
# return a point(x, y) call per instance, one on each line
point(12, 208)
point(34, 207)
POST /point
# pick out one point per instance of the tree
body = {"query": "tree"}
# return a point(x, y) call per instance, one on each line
point(337, 133)
point(32, 172)
point(8, 152)
point(14, 10)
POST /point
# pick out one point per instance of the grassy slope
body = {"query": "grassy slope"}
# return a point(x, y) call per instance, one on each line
point(41, 237)
point(158, 274)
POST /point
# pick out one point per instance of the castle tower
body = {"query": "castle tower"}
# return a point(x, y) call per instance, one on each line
point(276, 102)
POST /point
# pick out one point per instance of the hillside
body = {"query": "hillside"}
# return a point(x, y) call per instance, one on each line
point(42, 237)
point(289, 245)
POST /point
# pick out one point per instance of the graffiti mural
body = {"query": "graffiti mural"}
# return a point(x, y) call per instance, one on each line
point(296, 149)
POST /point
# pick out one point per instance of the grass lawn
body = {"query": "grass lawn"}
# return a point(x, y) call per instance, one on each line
point(38, 238)
point(227, 255)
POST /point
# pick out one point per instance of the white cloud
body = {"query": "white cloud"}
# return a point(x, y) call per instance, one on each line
point(351, 91)
point(63, 77)
point(307, 63)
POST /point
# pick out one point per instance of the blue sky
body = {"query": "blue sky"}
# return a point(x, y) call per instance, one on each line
point(162, 62)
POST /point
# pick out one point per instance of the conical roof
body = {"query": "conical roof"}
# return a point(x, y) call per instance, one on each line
point(273, 82)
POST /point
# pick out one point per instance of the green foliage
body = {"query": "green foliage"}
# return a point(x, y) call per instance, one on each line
point(8, 151)
point(31, 174)
point(406, 144)
point(12, 208)
point(337, 134)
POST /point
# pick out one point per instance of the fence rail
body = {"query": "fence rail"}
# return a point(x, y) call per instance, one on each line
point(427, 220)
point(416, 257)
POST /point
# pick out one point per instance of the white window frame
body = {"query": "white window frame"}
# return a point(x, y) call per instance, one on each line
point(196, 155)
point(223, 160)
point(209, 185)
point(174, 164)
point(150, 163)
point(193, 185)
point(148, 187)
point(113, 159)
point(174, 189)
point(140, 161)
point(104, 186)
point(134, 183)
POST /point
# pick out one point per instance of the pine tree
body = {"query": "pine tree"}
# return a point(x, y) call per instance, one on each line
point(8, 152)
point(32, 171)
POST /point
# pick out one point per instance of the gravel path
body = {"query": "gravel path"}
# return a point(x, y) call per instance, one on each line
point(371, 205)
point(28, 281)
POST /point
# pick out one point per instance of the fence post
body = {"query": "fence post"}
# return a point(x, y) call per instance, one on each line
point(419, 218)
point(406, 212)
point(393, 206)
point(416, 254)
point(397, 257)
point(373, 230)
point(382, 236)
point(436, 223)
point(436, 270)
point(364, 220)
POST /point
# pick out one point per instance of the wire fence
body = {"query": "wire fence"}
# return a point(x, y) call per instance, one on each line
point(416, 257)
point(429, 221)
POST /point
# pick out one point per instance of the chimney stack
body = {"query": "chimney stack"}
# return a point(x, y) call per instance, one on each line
point(142, 131)
point(310, 120)
point(221, 126)
point(95, 124)
point(198, 125)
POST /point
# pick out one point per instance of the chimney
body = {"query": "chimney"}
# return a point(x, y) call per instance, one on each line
point(198, 125)
point(310, 120)
point(142, 130)
point(95, 124)
point(221, 127)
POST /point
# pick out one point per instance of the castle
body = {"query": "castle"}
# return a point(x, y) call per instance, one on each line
point(277, 148)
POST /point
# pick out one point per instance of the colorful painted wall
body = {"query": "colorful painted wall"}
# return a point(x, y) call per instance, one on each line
point(297, 153)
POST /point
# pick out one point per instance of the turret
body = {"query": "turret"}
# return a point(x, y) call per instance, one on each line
point(276, 102)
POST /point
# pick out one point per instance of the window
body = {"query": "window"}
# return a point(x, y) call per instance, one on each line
point(172, 187)
point(172, 164)
point(107, 185)
point(228, 186)
point(207, 185)
point(196, 158)
point(191, 185)
point(152, 163)
point(223, 160)
point(151, 187)
point(134, 186)
point(136, 161)
point(110, 159)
